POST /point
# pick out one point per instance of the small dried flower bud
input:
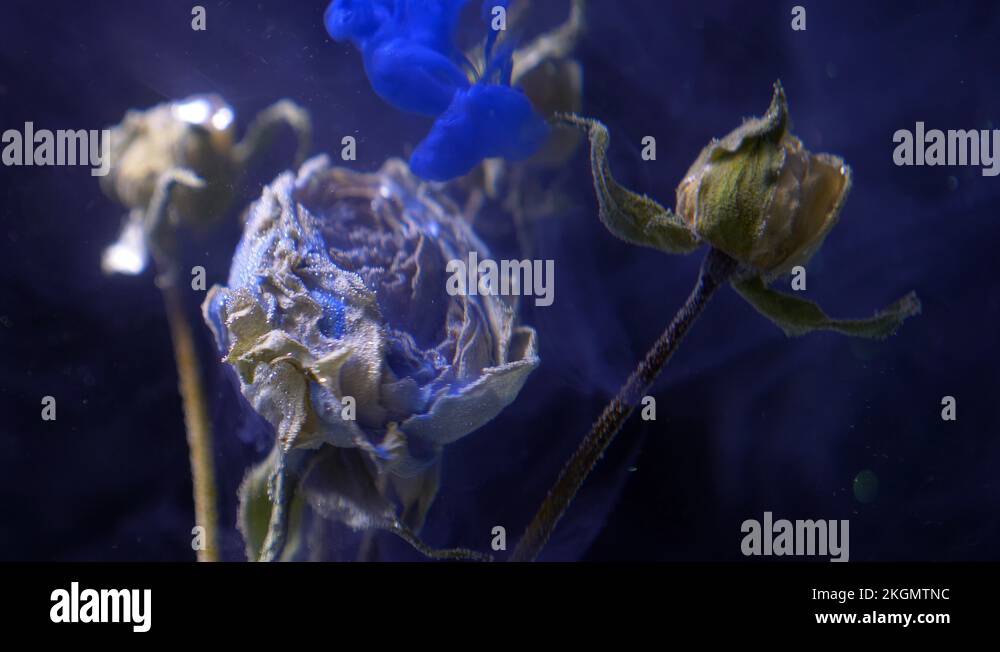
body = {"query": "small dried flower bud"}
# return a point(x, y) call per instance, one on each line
point(761, 197)
point(196, 134)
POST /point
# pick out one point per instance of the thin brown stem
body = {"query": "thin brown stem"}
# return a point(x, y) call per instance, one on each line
point(196, 419)
point(716, 269)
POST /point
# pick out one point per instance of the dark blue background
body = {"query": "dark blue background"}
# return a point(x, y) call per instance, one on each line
point(748, 420)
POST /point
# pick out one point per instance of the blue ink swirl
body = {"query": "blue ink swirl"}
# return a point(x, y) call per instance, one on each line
point(412, 62)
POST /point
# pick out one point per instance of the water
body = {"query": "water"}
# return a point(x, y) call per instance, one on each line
point(748, 421)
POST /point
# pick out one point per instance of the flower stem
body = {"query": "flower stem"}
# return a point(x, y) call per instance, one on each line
point(716, 269)
point(199, 429)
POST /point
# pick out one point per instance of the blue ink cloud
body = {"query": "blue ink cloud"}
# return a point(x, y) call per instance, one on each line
point(412, 62)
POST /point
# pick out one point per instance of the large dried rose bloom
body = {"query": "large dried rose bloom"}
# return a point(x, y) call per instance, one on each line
point(338, 289)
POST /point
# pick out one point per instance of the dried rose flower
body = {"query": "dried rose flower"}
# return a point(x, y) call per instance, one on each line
point(337, 293)
point(178, 163)
point(757, 196)
point(764, 205)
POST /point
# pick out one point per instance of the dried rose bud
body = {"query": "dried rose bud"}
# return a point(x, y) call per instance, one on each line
point(761, 197)
point(178, 163)
point(757, 196)
point(197, 133)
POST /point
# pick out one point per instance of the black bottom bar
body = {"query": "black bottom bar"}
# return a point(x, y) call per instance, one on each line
point(238, 601)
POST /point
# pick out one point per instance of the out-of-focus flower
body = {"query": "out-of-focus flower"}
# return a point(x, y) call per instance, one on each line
point(196, 133)
point(757, 196)
point(177, 163)
point(338, 289)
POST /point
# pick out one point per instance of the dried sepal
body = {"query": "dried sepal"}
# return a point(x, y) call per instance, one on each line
point(797, 316)
point(635, 218)
point(260, 518)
